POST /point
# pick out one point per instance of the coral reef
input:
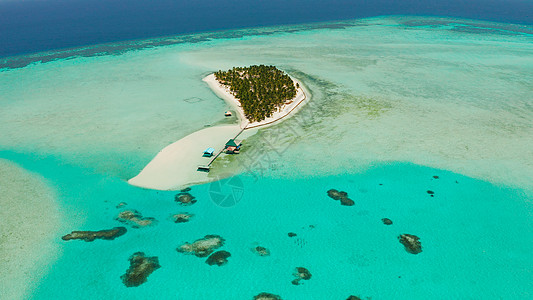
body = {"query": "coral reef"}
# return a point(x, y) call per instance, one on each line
point(135, 219)
point(386, 221)
point(261, 251)
point(218, 258)
point(301, 273)
point(89, 236)
point(185, 199)
point(267, 296)
point(342, 196)
point(140, 268)
point(411, 243)
point(182, 217)
point(202, 247)
point(121, 204)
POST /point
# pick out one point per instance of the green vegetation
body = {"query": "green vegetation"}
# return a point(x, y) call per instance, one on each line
point(260, 89)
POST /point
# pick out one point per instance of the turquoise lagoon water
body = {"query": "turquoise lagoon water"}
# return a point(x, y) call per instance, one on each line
point(395, 101)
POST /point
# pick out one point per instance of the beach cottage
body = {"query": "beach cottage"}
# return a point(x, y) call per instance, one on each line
point(233, 146)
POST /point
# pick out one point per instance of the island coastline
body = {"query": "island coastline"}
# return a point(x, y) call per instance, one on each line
point(175, 166)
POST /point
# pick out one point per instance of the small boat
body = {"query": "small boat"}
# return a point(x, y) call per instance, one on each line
point(228, 113)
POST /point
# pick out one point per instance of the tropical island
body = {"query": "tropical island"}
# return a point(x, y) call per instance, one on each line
point(261, 95)
point(261, 89)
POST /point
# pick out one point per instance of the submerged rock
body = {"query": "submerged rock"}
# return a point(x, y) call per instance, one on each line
point(337, 195)
point(202, 247)
point(89, 236)
point(301, 273)
point(218, 258)
point(352, 297)
point(182, 217)
point(261, 251)
point(342, 196)
point(185, 190)
point(347, 201)
point(121, 204)
point(386, 221)
point(435, 177)
point(291, 234)
point(411, 243)
point(135, 219)
point(185, 198)
point(140, 268)
point(267, 296)
point(430, 192)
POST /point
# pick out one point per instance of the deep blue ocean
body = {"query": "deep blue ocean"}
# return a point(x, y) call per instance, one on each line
point(41, 25)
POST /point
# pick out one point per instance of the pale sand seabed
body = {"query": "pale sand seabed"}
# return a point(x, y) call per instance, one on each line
point(431, 97)
point(176, 165)
point(30, 219)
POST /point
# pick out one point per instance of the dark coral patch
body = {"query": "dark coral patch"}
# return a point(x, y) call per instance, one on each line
point(411, 243)
point(386, 221)
point(202, 247)
point(135, 219)
point(301, 273)
point(218, 258)
point(342, 196)
point(337, 195)
point(261, 251)
point(121, 204)
point(347, 202)
point(185, 198)
point(435, 177)
point(140, 268)
point(430, 192)
point(182, 217)
point(185, 190)
point(352, 297)
point(291, 234)
point(89, 236)
point(267, 296)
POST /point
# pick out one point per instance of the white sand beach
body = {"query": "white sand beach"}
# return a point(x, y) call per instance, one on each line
point(30, 219)
point(176, 166)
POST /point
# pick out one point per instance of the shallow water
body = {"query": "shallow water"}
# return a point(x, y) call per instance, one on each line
point(395, 101)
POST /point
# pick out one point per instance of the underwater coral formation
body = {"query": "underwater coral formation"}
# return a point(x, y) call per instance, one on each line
point(411, 243)
point(202, 247)
point(89, 236)
point(185, 199)
point(135, 219)
point(140, 268)
point(301, 273)
point(261, 251)
point(342, 196)
point(218, 258)
point(266, 296)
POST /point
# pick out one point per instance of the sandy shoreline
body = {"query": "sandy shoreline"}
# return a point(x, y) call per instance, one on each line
point(30, 218)
point(175, 166)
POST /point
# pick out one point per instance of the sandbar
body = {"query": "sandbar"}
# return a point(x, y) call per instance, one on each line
point(30, 220)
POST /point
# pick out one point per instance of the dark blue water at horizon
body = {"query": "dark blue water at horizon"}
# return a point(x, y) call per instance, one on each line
point(41, 25)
